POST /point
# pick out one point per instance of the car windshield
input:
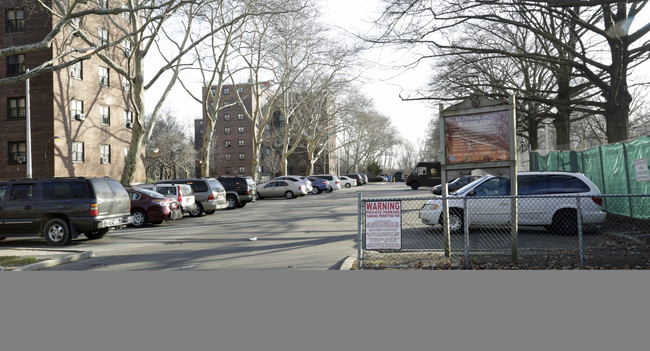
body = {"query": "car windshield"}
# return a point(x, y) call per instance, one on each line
point(468, 187)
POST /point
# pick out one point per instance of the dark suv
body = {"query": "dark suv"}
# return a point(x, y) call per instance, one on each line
point(239, 191)
point(59, 209)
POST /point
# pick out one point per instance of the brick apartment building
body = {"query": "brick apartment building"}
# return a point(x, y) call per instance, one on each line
point(232, 141)
point(80, 116)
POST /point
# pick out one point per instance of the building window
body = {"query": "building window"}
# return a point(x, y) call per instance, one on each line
point(128, 119)
point(16, 108)
point(76, 70)
point(240, 90)
point(226, 91)
point(17, 149)
point(103, 4)
point(126, 152)
point(105, 154)
point(75, 25)
point(228, 170)
point(126, 84)
point(242, 170)
point(240, 130)
point(104, 115)
point(238, 103)
point(228, 157)
point(15, 20)
point(268, 150)
point(77, 152)
point(76, 107)
point(227, 143)
point(103, 76)
point(240, 116)
point(226, 117)
point(240, 142)
point(226, 130)
point(213, 91)
point(102, 34)
point(126, 45)
point(242, 156)
point(15, 64)
point(126, 15)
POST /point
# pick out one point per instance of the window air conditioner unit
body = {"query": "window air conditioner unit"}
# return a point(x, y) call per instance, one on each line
point(104, 160)
point(21, 159)
point(80, 117)
point(129, 125)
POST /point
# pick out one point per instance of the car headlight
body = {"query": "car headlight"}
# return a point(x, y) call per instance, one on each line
point(430, 207)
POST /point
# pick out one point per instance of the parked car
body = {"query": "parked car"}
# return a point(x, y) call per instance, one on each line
point(365, 178)
point(180, 192)
point(285, 188)
point(239, 191)
point(297, 179)
point(455, 184)
point(319, 185)
point(535, 208)
point(334, 181)
point(347, 181)
point(209, 193)
point(148, 206)
point(60, 209)
point(357, 177)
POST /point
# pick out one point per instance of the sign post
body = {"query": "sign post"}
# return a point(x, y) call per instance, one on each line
point(479, 133)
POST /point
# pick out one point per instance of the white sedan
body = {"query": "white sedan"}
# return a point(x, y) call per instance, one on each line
point(284, 188)
point(347, 181)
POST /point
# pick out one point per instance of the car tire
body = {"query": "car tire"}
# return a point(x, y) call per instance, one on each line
point(197, 211)
point(96, 235)
point(456, 224)
point(315, 191)
point(57, 232)
point(415, 185)
point(139, 218)
point(347, 185)
point(289, 194)
point(210, 212)
point(565, 222)
point(232, 202)
point(242, 204)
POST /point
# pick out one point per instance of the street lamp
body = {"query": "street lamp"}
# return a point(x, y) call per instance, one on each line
point(28, 140)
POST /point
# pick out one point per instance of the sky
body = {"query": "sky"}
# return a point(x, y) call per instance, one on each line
point(385, 78)
point(382, 82)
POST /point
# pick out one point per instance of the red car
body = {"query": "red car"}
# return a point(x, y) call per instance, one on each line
point(148, 207)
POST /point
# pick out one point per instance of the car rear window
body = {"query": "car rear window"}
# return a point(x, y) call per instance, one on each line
point(65, 190)
point(198, 186)
point(166, 190)
point(216, 185)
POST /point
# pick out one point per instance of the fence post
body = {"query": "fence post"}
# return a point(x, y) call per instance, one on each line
point(580, 232)
point(359, 237)
point(627, 178)
point(466, 230)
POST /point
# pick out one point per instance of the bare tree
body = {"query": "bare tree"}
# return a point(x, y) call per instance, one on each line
point(171, 151)
point(592, 29)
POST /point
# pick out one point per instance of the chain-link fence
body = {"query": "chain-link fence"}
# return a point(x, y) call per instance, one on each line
point(551, 232)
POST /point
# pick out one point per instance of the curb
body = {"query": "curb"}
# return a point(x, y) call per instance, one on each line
point(54, 262)
point(347, 264)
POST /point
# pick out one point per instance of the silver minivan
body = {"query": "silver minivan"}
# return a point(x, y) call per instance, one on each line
point(548, 199)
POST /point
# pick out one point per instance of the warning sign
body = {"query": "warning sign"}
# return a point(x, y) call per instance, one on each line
point(641, 169)
point(383, 225)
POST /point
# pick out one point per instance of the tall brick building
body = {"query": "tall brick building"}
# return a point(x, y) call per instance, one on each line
point(232, 142)
point(80, 115)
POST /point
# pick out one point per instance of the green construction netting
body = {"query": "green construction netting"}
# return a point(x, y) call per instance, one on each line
point(610, 167)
